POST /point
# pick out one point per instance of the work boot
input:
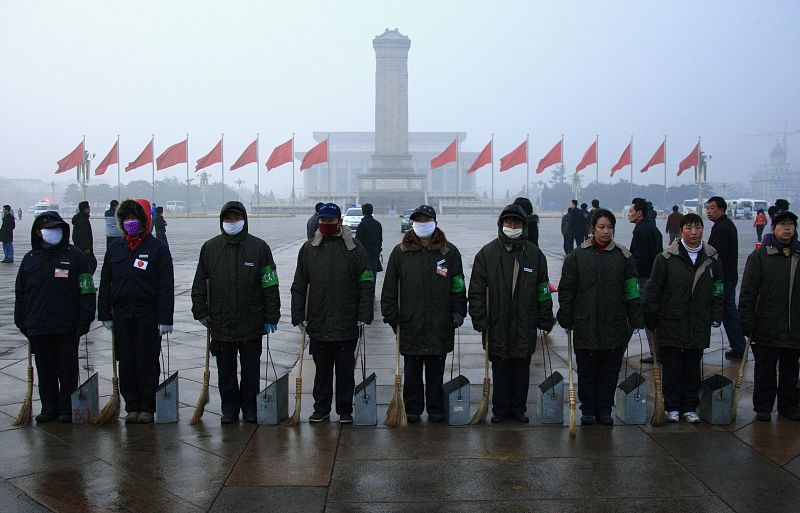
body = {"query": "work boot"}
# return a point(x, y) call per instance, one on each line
point(45, 417)
point(606, 420)
point(318, 416)
point(411, 418)
point(132, 417)
point(229, 419)
point(587, 420)
point(497, 419)
point(764, 416)
point(250, 418)
point(436, 417)
point(521, 417)
point(145, 417)
point(345, 418)
point(791, 414)
point(64, 418)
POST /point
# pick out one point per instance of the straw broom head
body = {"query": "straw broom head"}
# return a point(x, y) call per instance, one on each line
point(111, 410)
point(739, 379)
point(396, 413)
point(294, 420)
point(25, 412)
point(202, 401)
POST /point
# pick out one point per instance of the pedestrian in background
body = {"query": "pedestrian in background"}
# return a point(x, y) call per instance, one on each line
point(161, 226)
point(759, 223)
point(19, 214)
point(532, 226)
point(370, 234)
point(82, 234)
point(646, 244)
point(113, 231)
point(313, 222)
point(7, 235)
point(674, 224)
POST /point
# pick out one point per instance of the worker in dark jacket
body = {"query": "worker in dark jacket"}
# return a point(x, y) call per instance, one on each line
point(136, 302)
point(532, 226)
point(54, 307)
point(334, 268)
point(313, 222)
point(684, 300)
point(244, 304)
point(725, 239)
point(161, 226)
point(82, 234)
point(113, 230)
point(577, 223)
point(598, 298)
point(674, 224)
point(424, 261)
point(7, 235)
point(646, 244)
point(769, 307)
point(514, 270)
point(370, 234)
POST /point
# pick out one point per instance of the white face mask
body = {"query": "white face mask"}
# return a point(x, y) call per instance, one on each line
point(52, 235)
point(423, 230)
point(512, 233)
point(233, 228)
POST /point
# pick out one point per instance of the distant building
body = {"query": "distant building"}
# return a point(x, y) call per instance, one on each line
point(778, 179)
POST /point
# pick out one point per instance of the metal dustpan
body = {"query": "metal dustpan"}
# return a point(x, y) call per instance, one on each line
point(167, 400)
point(365, 402)
point(716, 400)
point(630, 399)
point(272, 403)
point(456, 401)
point(551, 399)
point(86, 400)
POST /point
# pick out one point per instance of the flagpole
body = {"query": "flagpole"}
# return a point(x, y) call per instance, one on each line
point(119, 194)
point(597, 160)
point(631, 164)
point(153, 163)
point(222, 162)
point(330, 172)
point(258, 177)
point(458, 182)
point(293, 189)
point(187, 176)
point(492, 155)
point(665, 175)
point(527, 164)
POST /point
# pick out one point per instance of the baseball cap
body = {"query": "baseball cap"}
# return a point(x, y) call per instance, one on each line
point(330, 211)
point(424, 210)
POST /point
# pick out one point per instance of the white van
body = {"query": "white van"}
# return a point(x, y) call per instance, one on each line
point(691, 206)
point(44, 206)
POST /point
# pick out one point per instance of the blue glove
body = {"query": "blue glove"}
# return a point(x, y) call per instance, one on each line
point(163, 329)
point(109, 325)
point(269, 327)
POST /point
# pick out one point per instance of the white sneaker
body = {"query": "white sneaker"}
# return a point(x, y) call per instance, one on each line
point(691, 417)
point(673, 416)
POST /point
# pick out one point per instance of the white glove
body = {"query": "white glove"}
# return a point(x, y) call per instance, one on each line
point(304, 324)
point(163, 329)
point(360, 324)
point(109, 325)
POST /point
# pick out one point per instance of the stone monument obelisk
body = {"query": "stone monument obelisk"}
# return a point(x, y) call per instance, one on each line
point(391, 180)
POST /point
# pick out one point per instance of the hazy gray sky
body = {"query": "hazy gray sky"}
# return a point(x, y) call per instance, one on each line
point(712, 68)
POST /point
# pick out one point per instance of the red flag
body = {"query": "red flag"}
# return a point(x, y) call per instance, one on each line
point(282, 154)
point(657, 158)
point(111, 158)
point(624, 160)
point(213, 157)
point(249, 156)
point(74, 158)
point(175, 154)
point(445, 157)
point(691, 160)
point(553, 157)
point(484, 157)
point(590, 157)
point(518, 156)
point(315, 155)
point(145, 157)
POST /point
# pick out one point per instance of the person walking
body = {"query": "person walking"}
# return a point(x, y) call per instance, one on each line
point(19, 214)
point(136, 301)
point(7, 235)
point(313, 221)
point(161, 226)
point(769, 308)
point(577, 224)
point(532, 226)
point(684, 301)
point(333, 269)
point(53, 308)
point(598, 298)
point(113, 231)
point(587, 216)
point(646, 244)
point(370, 234)
point(725, 239)
point(514, 271)
point(759, 223)
point(566, 233)
point(82, 234)
point(424, 261)
point(674, 224)
point(235, 295)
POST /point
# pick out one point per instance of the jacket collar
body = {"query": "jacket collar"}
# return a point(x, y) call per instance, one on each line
point(344, 232)
point(588, 243)
point(675, 249)
point(438, 242)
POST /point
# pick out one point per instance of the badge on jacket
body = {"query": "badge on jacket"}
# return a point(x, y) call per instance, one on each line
point(441, 270)
point(61, 273)
point(140, 264)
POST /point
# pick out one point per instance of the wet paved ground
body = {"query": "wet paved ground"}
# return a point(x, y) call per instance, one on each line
point(745, 467)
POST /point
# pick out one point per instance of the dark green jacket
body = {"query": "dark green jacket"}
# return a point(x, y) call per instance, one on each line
point(769, 302)
point(512, 320)
point(598, 296)
point(431, 281)
point(342, 289)
point(682, 299)
point(243, 282)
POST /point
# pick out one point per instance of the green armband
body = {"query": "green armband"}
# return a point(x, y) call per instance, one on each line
point(630, 289)
point(543, 291)
point(86, 284)
point(719, 289)
point(457, 284)
point(366, 276)
point(269, 278)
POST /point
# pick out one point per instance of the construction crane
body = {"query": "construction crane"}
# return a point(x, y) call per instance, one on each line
point(784, 135)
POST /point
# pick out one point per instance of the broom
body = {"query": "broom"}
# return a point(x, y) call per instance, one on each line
point(111, 410)
point(396, 413)
point(572, 428)
point(483, 407)
point(294, 420)
point(658, 418)
point(24, 416)
point(737, 387)
point(202, 401)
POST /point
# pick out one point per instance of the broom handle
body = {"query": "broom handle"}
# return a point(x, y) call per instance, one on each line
point(299, 380)
point(571, 385)
point(397, 337)
point(486, 352)
point(208, 328)
point(740, 377)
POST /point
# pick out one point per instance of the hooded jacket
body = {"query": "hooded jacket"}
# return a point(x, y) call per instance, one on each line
point(7, 228)
point(646, 244)
point(55, 294)
point(342, 288)
point(431, 281)
point(243, 283)
point(137, 283)
point(513, 316)
point(682, 298)
point(598, 296)
point(82, 232)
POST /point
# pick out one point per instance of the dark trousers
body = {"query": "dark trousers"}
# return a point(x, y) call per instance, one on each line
point(759, 232)
point(598, 372)
point(510, 379)
point(681, 378)
point(568, 243)
point(238, 395)
point(138, 347)
point(414, 392)
point(730, 318)
point(57, 370)
point(328, 355)
point(768, 384)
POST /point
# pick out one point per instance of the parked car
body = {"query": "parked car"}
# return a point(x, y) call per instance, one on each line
point(405, 220)
point(352, 217)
